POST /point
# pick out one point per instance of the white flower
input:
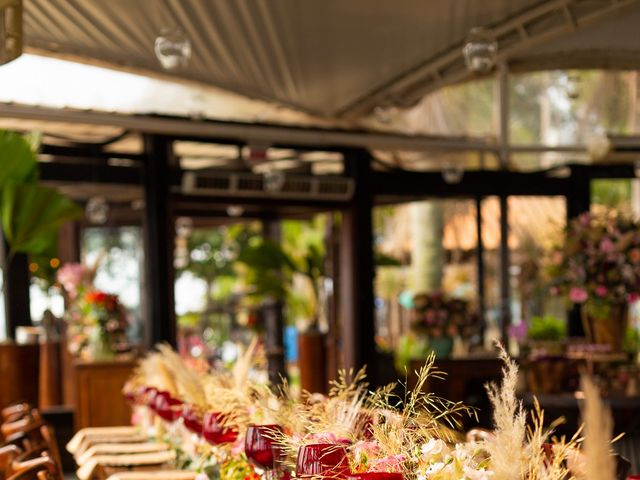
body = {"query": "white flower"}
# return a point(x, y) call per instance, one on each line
point(434, 468)
point(434, 447)
point(473, 474)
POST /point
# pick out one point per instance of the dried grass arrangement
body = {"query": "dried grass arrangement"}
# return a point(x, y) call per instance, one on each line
point(416, 434)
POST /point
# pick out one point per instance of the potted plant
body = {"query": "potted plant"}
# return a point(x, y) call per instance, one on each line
point(597, 265)
point(440, 319)
point(545, 361)
point(30, 215)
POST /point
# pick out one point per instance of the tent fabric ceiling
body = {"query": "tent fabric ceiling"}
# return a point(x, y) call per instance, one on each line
point(319, 56)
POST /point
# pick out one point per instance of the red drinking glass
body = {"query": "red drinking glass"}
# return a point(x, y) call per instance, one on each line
point(167, 407)
point(192, 420)
point(259, 444)
point(214, 432)
point(149, 396)
point(325, 460)
point(375, 476)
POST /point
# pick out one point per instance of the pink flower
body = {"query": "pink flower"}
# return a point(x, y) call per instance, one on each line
point(367, 449)
point(601, 291)
point(606, 245)
point(70, 276)
point(389, 464)
point(632, 297)
point(578, 295)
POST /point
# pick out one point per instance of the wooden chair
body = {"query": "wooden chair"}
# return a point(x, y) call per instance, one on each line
point(24, 423)
point(15, 411)
point(8, 453)
point(38, 469)
point(46, 446)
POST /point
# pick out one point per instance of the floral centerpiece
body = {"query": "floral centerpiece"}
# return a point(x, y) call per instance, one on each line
point(96, 321)
point(597, 265)
point(441, 319)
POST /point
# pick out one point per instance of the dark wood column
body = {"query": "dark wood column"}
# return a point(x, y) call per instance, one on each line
point(159, 234)
point(16, 290)
point(578, 201)
point(356, 269)
point(272, 311)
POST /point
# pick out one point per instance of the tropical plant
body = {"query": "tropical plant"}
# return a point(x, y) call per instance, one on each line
point(31, 213)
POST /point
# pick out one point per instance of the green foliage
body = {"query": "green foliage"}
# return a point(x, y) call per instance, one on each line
point(631, 343)
point(19, 162)
point(410, 347)
point(547, 327)
point(30, 213)
point(267, 268)
point(611, 193)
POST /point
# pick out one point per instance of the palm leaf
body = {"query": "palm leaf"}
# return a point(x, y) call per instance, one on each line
point(18, 160)
point(31, 214)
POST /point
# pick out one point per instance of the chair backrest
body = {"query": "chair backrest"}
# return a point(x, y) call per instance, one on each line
point(14, 411)
point(29, 436)
point(8, 453)
point(38, 469)
point(24, 423)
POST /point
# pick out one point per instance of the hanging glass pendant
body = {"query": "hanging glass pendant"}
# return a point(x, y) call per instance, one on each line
point(480, 50)
point(97, 210)
point(173, 49)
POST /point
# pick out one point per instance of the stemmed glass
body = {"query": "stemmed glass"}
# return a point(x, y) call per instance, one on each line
point(259, 446)
point(167, 407)
point(375, 476)
point(215, 432)
point(325, 460)
point(192, 420)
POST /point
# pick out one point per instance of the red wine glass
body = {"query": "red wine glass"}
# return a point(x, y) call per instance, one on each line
point(192, 421)
point(167, 407)
point(324, 460)
point(375, 476)
point(215, 432)
point(259, 445)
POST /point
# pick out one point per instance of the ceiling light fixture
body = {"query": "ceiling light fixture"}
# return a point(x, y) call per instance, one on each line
point(97, 210)
point(480, 51)
point(452, 172)
point(173, 48)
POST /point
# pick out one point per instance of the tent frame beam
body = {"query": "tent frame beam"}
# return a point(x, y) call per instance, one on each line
point(538, 24)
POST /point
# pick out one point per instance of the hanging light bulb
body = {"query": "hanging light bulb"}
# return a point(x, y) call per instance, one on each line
point(480, 50)
point(385, 113)
point(573, 86)
point(452, 172)
point(184, 226)
point(273, 181)
point(173, 49)
point(97, 210)
point(235, 210)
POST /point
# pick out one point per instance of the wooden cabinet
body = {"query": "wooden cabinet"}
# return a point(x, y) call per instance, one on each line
point(19, 369)
point(99, 400)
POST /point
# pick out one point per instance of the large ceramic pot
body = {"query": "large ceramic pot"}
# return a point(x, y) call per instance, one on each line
point(609, 330)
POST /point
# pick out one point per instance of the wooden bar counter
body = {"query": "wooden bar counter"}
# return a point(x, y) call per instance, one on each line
point(99, 400)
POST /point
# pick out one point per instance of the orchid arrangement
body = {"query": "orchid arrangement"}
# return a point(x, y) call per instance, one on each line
point(598, 262)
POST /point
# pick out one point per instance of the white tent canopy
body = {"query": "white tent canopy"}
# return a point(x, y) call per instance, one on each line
point(335, 57)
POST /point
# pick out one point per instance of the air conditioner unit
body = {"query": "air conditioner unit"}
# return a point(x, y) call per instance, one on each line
point(294, 187)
